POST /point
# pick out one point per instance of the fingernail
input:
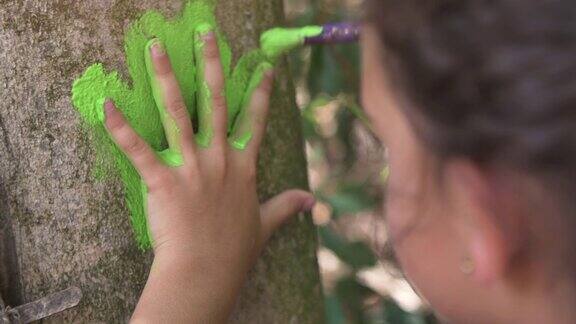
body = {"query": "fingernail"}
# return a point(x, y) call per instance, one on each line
point(205, 32)
point(266, 69)
point(208, 36)
point(157, 49)
point(108, 107)
point(308, 204)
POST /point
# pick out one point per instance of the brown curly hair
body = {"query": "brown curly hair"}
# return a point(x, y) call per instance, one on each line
point(493, 81)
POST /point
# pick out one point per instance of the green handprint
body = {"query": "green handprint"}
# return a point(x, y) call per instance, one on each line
point(142, 103)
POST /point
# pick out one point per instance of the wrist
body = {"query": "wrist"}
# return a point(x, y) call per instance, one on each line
point(180, 281)
point(228, 267)
point(198, 271)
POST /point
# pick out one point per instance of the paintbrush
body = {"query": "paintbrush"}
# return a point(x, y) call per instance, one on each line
point(335, 33)
point(277, 41)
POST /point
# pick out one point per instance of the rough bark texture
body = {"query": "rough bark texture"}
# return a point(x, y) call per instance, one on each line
point(60, 227)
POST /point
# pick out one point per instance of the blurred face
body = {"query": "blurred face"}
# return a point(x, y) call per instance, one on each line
point(423, 220)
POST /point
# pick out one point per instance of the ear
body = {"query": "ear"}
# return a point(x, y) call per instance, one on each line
point(488, 240)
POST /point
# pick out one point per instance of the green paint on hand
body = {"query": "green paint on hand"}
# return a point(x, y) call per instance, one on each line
point(242, 131)
point(204, 96)
point(172, 132)
point(142, 103)
point(277, 41)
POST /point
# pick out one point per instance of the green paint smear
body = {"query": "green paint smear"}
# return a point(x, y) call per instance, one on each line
point(172, 132)
point(204, 96)
point(276, 41)
point(137, 100)
point(242, 131)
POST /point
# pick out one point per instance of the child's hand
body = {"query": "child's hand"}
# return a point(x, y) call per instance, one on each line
point(205, 219)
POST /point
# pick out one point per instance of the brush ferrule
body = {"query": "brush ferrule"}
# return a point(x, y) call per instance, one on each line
point(336, 33)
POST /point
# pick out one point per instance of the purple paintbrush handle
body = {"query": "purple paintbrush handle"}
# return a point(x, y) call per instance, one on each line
point(336, 33)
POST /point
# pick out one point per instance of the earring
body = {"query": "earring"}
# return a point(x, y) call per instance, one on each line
point(467, 266)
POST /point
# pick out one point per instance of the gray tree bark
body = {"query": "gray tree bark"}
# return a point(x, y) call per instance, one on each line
point(59, 227)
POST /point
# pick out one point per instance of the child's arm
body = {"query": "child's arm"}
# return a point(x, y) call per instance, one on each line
point(206, 222)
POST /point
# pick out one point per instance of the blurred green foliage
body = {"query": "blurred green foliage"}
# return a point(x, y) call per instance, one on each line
point(330, 75)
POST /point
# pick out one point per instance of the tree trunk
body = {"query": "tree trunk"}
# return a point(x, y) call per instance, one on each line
point(59, 227)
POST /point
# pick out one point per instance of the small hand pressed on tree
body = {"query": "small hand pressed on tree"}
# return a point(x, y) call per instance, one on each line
point(206, 222)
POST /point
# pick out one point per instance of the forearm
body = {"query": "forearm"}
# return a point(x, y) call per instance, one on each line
point(186, 291)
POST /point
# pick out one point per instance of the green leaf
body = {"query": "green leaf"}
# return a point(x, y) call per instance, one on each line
point(349, 199)
point(357, 255)
point(334, 312)
point(352, 295)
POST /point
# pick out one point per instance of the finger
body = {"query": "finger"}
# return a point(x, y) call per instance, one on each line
point(169, 100)
point(279, 209)
point(212, 111)
point(250, 125)
point(135, 148)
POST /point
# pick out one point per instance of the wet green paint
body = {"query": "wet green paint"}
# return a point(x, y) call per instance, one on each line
point(142, 103)
point(171, 130)
point(242, 132)
point(276, 41)
point(204, 98)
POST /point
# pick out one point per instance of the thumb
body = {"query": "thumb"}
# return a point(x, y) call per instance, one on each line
point(279, 209)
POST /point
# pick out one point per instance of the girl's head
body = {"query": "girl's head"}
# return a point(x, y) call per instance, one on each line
point(475, 101)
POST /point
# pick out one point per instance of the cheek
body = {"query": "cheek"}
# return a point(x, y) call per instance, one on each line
point(405, 189)
point(374, 102)
point(423, 252)
point(421, 227)
point(428, 252)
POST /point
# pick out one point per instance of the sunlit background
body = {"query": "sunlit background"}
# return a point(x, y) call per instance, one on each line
point(360, 279)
